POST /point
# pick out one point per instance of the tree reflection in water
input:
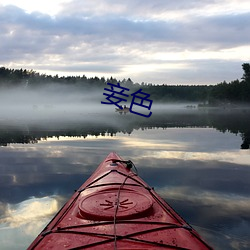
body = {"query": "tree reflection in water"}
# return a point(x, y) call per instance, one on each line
point(234, 121)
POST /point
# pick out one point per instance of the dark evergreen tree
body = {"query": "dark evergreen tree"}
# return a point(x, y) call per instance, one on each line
point(246, 69)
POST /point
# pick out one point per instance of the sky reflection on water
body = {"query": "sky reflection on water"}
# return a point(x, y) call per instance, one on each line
point(199, 171)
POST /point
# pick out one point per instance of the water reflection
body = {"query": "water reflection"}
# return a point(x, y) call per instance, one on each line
point(196, 167)
point(102, 124)
point(20, 222)
point(31, 210)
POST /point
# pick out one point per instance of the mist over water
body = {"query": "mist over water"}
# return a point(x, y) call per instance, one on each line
point(50, 103)
point(57, 110)
point(57, 103)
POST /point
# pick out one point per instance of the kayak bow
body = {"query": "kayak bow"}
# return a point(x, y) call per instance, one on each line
point(116, 209)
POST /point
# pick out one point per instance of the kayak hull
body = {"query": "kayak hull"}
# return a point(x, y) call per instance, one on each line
point(116, 209)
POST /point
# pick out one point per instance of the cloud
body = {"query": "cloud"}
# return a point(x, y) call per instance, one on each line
point(115, 38)
point(229, 204)
point(143, 10)
point(26, 220)
point(117, 30)
point(29, 210)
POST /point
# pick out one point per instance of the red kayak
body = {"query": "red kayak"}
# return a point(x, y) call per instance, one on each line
point(116, 209)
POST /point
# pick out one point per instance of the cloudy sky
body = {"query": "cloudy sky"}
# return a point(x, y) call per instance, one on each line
point(157, 41)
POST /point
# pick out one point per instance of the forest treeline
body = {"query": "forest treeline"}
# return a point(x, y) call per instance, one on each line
point(236, 91)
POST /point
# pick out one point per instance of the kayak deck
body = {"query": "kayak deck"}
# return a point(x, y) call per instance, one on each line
point(116, 209)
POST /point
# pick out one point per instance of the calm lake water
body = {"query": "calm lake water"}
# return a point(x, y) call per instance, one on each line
point(197, 160)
